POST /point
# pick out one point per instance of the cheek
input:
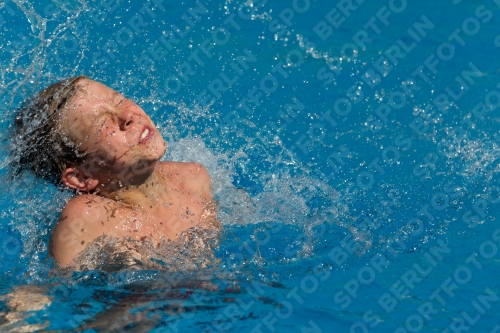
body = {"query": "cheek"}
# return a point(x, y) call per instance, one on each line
point(107, 132)
point(111, 137)
point(115, 141)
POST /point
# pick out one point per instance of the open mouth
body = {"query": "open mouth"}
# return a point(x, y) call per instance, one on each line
point(147, 133)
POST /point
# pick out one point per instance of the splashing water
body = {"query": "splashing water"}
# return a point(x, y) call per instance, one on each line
point(284, 194)
point(289, 171)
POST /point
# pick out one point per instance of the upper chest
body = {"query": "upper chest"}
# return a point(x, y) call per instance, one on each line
point(179, 209)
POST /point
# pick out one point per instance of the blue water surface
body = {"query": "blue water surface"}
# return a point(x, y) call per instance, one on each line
point(353, 148)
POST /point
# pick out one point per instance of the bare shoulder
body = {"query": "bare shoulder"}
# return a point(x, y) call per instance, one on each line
point(193, 174)
point(81, 221)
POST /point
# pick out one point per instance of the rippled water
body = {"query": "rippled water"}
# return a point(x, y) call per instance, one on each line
point(358, 187)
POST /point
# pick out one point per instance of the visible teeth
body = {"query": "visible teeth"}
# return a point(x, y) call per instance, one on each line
point(144, 134)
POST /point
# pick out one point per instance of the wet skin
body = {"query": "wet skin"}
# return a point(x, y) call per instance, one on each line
point(125, 190)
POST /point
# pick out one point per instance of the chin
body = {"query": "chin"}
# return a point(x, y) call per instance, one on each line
point(159, 148)
point(164, 150)
point(156, 148)
point(158, 153)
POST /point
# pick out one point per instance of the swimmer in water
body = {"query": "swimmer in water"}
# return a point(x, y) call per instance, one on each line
point(83, 135)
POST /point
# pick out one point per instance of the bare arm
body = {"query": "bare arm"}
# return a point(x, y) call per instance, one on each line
point(82, 220)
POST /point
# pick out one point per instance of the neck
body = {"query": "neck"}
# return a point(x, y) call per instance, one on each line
point(145, 194)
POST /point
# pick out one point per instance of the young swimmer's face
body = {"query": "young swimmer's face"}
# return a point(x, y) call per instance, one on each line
point(113, 130)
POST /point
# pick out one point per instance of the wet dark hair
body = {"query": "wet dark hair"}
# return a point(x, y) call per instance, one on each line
point(37, 141)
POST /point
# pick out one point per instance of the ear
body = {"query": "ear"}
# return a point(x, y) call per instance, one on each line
point(74, 178)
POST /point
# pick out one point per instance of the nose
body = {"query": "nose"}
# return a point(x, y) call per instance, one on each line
point(126, 119)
